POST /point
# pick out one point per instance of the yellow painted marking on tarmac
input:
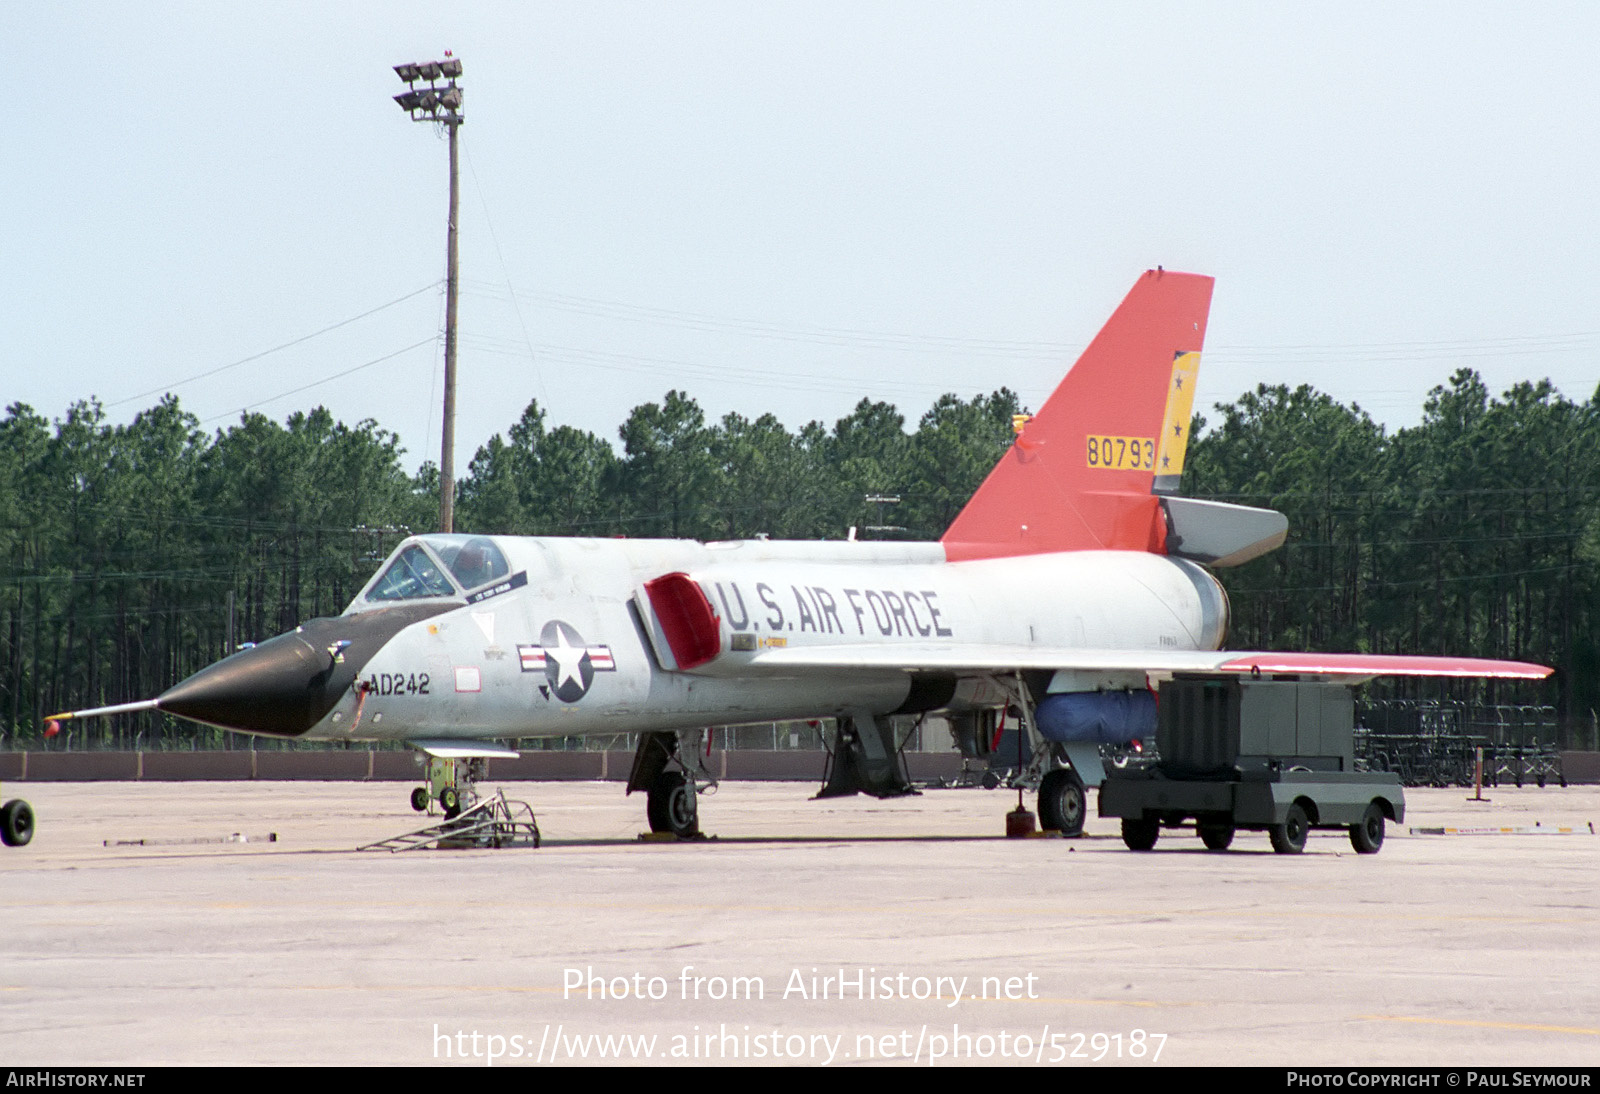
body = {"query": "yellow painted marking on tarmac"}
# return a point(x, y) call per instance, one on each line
point(1529, 1026)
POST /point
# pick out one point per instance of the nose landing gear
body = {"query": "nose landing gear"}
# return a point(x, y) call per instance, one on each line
point(452, 782)
point(471, 820)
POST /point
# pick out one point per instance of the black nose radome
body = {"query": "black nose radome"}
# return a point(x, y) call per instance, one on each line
point(288, 684)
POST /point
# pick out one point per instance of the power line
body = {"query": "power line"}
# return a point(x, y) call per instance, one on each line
point(1419, 349)
point(275, 349)
point(709, 371)
point(319, 383)
point(1364, 584)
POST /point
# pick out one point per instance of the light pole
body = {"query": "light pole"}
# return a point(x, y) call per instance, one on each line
point(441, 102)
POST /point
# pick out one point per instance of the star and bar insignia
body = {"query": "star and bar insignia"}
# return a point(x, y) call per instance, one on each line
point(567, 661)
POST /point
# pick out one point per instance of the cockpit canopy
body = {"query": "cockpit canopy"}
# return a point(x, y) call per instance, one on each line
point(438, 566)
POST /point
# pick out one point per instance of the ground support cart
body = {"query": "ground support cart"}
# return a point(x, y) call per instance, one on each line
point(1274, 755)
point(1285, 804)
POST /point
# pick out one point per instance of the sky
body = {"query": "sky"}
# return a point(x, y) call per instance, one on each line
point(787, 207)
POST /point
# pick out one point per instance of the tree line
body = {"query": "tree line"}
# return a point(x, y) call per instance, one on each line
point(132, 555)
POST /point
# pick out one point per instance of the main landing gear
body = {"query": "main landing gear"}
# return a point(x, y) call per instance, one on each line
point(1063, 798)
point(670, 768)
point(673, 805)
point(1063, 802)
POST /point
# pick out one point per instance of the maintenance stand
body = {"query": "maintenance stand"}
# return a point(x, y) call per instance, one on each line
point(1274, 755)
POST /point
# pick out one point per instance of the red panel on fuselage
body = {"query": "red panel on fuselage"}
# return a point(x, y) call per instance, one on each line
point(687, 619)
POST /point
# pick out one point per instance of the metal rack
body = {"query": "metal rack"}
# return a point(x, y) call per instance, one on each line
point(1433, 743)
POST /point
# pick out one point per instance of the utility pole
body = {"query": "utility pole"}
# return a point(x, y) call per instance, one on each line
point(441, 103)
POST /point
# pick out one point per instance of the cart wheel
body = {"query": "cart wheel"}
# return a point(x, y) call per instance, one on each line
point(1062, 802)
point(1289, 838)
point(1216, 837)
point(16, 823)
point(420, 798)
point(1367, 837)
point(1140, 834)
point(450, 802)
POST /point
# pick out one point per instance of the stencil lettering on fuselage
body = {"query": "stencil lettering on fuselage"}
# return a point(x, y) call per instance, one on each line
point(567, 661)
point(889, 613)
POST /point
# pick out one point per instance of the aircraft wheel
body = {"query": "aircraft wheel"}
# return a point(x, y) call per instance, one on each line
point(1217, 836)
point(1289, 838)
point(1367, 837)
point(1063, 802)
point(673, 805)
point(450, 802)
point(1139, 833)
point(419, 799)
point(16, 823)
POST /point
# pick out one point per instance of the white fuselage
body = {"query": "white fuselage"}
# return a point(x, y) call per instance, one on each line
point(498, 665)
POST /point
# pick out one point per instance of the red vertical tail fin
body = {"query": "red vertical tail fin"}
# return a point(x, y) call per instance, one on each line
point(1084, 472)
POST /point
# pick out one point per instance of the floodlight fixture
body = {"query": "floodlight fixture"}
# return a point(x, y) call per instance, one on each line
point(432, 103)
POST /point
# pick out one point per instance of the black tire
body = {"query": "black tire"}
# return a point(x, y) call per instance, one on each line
point(1216, 836)
point(1289, 838)
point(673, 805)
point(1063, 802)
point(1139, 833)
point(450, 802)
point(1367, 837)
point(16, 823)
point(420, 799)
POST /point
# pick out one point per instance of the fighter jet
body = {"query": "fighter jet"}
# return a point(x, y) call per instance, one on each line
point(1074, 574)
